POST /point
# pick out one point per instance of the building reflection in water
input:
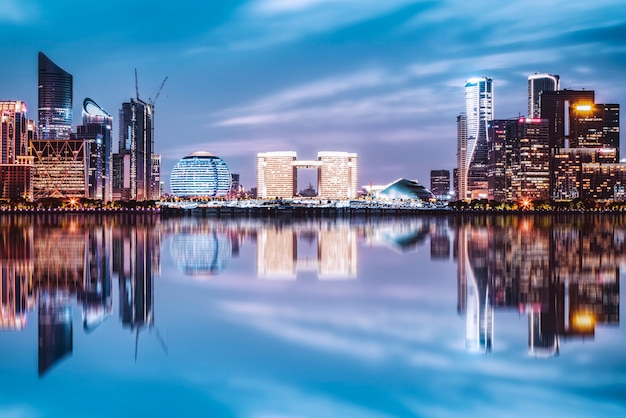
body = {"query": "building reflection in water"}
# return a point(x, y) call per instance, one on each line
point(52, 261)
point(330, 249)
point(16, 268)
point(136, 259)
point(563, 272)
point(55, 327)
point(202, 249)
point(96, 295)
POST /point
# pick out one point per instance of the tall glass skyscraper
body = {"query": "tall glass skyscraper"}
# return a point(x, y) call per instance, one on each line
point(478, 112)
point(538, 83)
point(55, 100)
point(136, 145)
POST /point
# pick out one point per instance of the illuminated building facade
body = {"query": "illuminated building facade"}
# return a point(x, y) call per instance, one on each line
point(337, 176)
point(60, 168)
point(557, 107)
point(460, 176)
point(604, 181)
point(16, 130)
point(440, 183)
point(16, 170)
point(499, 171)
point(519, 159)
point(537, 84)
point(96, 132)
point(55, 100)
point(200, 174)
point(134, 181)
point(594, 126)
point(568, 168)
point(277, 174)
point(16, 180)
point(472, 146)
point(156, 183)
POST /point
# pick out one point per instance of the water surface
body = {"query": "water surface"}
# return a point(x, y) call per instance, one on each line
point(421, 316)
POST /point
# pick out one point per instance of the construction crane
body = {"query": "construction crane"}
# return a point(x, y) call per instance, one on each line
point(150, 101)
point(136, 86)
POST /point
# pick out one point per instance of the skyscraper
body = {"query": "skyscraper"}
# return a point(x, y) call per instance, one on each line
point(556, 106)
point(136, 146)
point(478, 111)
point(519, 159)
point(15, 130)
point(460, 175)
point(537, 84)
point(55, 100)
point(276, 176)
point(440, 183)
point(96, 130)
point(337, 175)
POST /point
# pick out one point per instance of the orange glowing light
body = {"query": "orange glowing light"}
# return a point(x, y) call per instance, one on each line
point(584, 320)
point(583, 108)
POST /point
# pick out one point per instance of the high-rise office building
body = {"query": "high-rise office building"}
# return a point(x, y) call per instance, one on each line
point(537, 84)
point(558, 107)
point(604, 181)
point(136, 146)
point(156, 185)
point(96, 132)
point(337, 175)
point(460, 175)
point(440, 183)
point(478, 112)
point(594, 126)
point(16, 169)
point(277, 175)
point(567, 169)
point(15, 130)
point(519, 159)
point(55, 100)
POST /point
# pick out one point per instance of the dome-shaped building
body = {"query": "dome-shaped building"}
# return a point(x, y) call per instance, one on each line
point(200, 174)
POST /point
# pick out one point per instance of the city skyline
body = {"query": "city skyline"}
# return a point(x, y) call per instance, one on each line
point(305, 75)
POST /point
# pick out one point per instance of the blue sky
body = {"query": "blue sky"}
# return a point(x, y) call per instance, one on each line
point(380, 78)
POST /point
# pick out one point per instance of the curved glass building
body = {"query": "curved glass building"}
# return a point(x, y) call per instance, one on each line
point(96, 129)
point(55, 100)
point(200, 174)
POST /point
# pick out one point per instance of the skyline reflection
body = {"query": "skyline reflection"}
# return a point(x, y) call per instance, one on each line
point(561, 272)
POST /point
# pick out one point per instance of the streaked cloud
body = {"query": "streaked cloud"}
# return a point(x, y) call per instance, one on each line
point(18, 11)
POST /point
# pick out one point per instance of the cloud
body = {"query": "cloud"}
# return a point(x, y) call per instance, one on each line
point(266, 23)
point(17, 11)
